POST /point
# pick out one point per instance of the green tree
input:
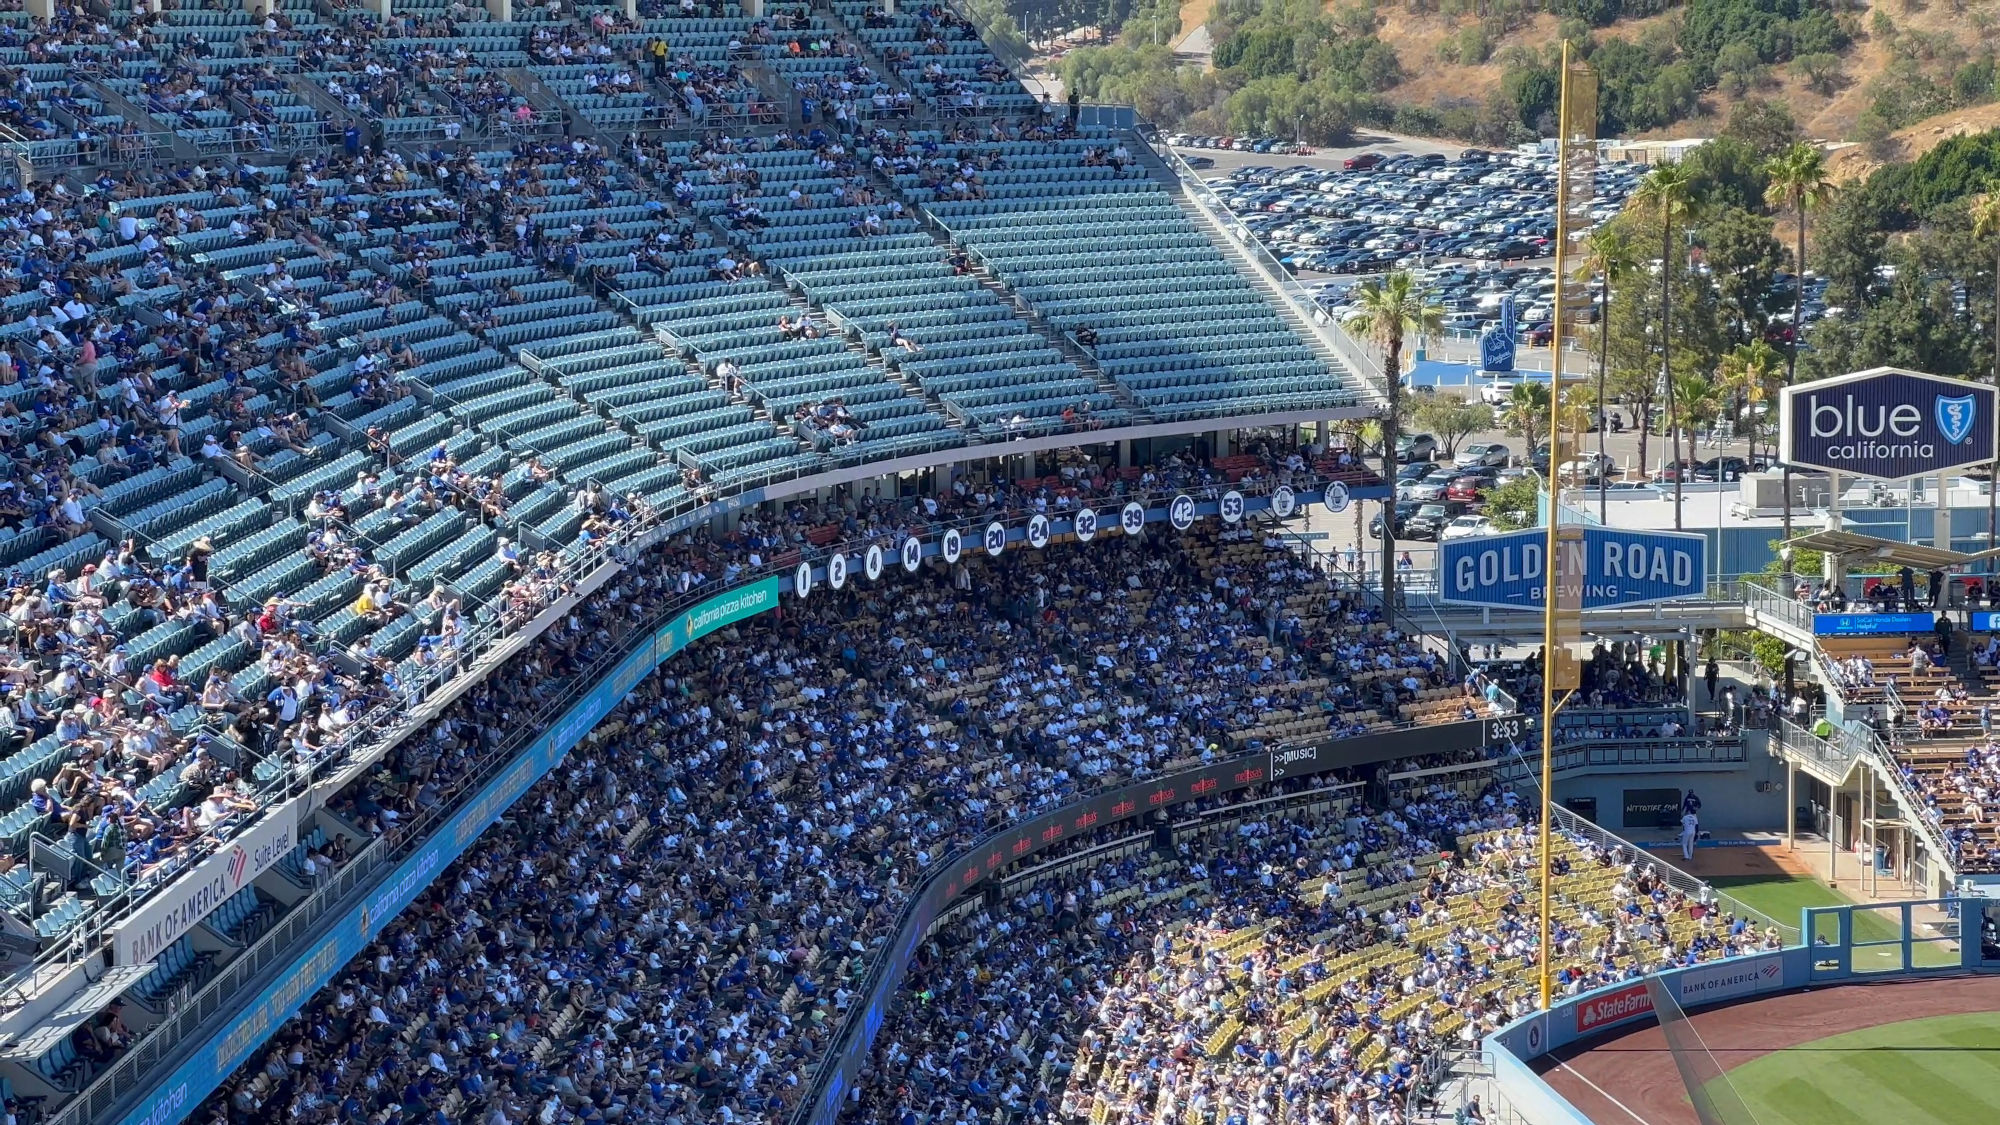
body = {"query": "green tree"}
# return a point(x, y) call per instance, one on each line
point(1512, 506)
point(1696, 404)
point(1451, 420)
point(1821, 71)
point(1766, 126)
point(1665, 192)
point(1608, 254)
point(1985, 214)
point(1390, 310)
point(1726, 172)
point(1744, 259)
point(1800, 185)
point(1737, 68)
point(1527, 414)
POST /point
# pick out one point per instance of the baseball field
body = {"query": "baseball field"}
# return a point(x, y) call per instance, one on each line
point(1941, 1069)
point(1902, 1052)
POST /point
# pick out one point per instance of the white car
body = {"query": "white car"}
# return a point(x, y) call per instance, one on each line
point(1465, 527)
point(1588, 467)
point(1483, 454)
point(1498, 392)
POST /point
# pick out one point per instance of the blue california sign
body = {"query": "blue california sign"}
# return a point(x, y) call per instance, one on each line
point(1619, 567)
point(1887, 424)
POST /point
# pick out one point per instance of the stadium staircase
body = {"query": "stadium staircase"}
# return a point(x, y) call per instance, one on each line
point(801, 304)
point(177, 146)
point(1025, 309)
point(869, 54)
point(547, 103)
point(316, 96)
point(1856, 748)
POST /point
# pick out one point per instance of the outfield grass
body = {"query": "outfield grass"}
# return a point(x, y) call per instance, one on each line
point(1944, 1070)
point(1783, 896)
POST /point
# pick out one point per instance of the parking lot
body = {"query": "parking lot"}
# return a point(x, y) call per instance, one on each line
point(1475, 225)
point(1379, 212)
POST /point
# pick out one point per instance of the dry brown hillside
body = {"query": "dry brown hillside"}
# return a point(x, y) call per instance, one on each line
point(1857, 161)
point(1430, 80)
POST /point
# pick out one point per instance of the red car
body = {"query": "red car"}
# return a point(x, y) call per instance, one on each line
point(1469, 487)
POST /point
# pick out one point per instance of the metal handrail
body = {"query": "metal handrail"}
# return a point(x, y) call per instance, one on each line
point(1630, 752)
point(1855, 744)
point(1918, 812)
point(1365, 366)
point(1691, 885)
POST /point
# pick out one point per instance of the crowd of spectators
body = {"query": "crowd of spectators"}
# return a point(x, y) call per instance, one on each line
point(857, 738)
point(1099, 994)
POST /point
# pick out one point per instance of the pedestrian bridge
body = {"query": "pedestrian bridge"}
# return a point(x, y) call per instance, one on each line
point(1733, 605)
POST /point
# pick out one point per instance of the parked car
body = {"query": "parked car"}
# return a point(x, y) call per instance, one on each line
point(1482, 454)
point(1404, 510)
point(1430, 520)
point(1415, 470)
point(1465, 527)
point(1470, 487)
point(1499, 392)
point(1729, 468)
point(1416, 447)
point(1431, 487)
point(1684, 468)
point(1588, 467)
point(1200, 162)
point(1361, 162)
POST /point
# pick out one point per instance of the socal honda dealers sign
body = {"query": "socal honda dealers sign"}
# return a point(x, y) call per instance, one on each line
point(1728, 980)
point(1598, 1012)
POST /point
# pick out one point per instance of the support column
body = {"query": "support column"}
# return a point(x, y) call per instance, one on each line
point(42, 9)
point(1868, 837)
point(1791, 805)
point(258, 9)
point(382, 9)
point(631, 9)
point(1832, 836)
point(753, 8)
point(501, 10)
point(889, 6)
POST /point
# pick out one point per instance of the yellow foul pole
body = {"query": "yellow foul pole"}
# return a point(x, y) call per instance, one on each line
point(1551, 659)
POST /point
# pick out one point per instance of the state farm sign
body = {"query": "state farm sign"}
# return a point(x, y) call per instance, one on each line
point(1612, 1007)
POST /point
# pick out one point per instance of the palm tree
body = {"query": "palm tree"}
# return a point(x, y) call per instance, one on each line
point(1609, 254)
point(1390, 311)
point(1746, 375)
point(1666, 191)
point(1798, 184)
point(1529, 414)
point(1986, 224)
point(1697, 403)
